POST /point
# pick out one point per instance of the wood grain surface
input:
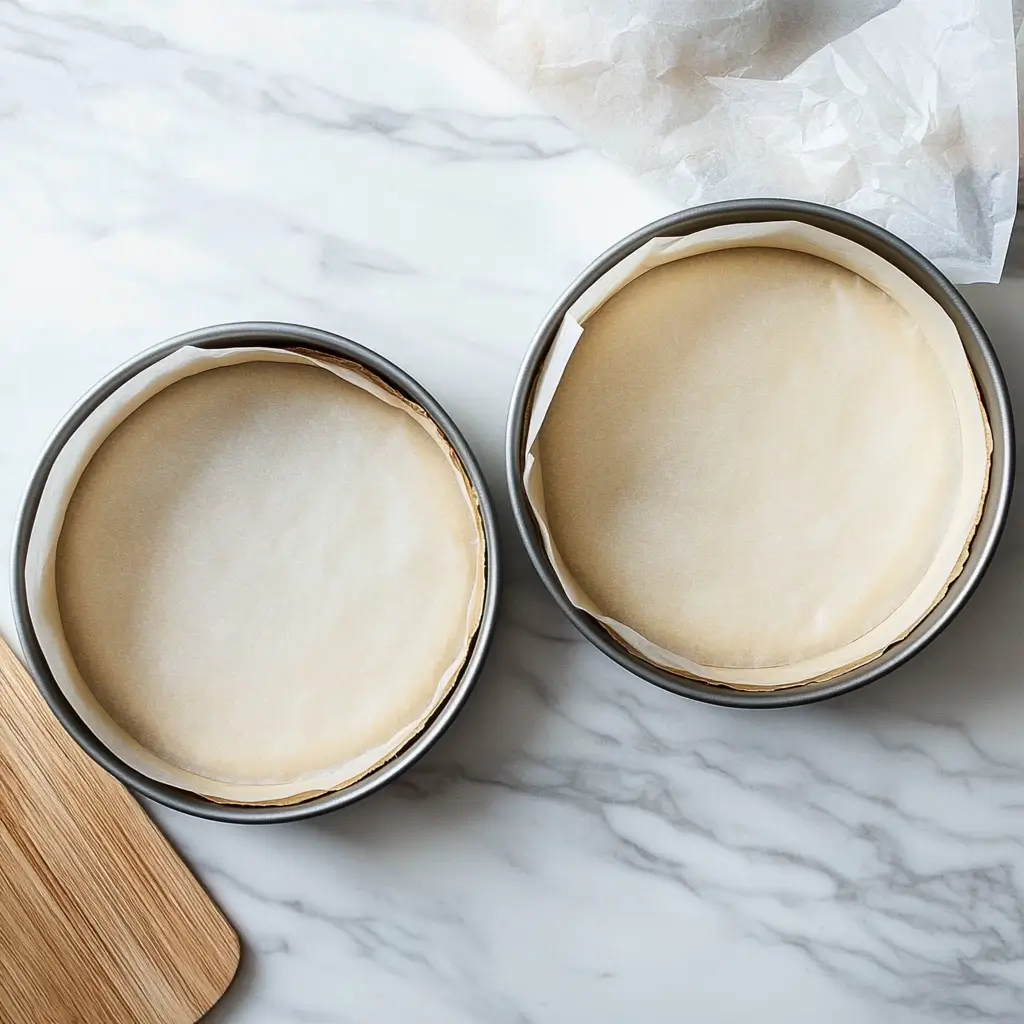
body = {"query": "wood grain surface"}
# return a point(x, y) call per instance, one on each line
point(100, 921)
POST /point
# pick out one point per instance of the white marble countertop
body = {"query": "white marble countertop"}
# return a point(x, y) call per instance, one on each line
point(581, 847)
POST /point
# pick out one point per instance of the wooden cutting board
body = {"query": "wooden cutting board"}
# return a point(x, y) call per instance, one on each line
point(100, 921)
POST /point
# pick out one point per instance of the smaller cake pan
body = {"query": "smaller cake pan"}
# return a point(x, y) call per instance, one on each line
point(990, 383)
point(273, 336)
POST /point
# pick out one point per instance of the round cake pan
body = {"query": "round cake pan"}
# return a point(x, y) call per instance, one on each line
point(271, 335)
point(991, 385)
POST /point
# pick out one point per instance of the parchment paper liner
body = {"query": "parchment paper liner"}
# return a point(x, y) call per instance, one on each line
point(41, 583)
point(937, 328)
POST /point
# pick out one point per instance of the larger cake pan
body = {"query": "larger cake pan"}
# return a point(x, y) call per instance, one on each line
point(990, 382)
point(270, 335)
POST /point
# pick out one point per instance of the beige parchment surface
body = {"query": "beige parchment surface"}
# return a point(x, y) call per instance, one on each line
point(256, 573)
point(756, 454)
